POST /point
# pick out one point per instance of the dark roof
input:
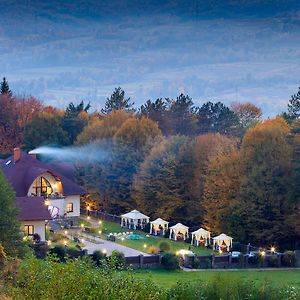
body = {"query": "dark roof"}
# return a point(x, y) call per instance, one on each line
point(32, 209)
point(22, 174)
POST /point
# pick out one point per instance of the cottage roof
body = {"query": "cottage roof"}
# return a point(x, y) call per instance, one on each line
point(135, 215)
point(222, 237)
point(159, 221)
point(179, 226)
point(32, 209)
point(22, 173)
point(200, 231)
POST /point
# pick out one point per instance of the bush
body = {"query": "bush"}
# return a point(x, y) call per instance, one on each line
point(2, 257)
point(147, 228)
point(60, 251)
point(116, 261)
point(57, 237)
point(153, 250)
point(273, 261)
point(289, 259)
point(40, 250)
point(36, 238)
point(164, 246)
point(74, 252)
point(167, 234)
point(188, 240)
point(98, 257)
point(170, 261)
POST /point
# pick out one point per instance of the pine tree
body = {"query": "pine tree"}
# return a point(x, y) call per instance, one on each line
point(294, 105)
point(117, 101)
point(4, 87)
point(10, 235)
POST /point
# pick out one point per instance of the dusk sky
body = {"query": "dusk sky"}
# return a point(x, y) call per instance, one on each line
point(62, 51)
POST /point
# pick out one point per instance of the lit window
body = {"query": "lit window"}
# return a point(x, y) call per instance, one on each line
point(70, 207)
point(29, 229)
point(41, 187)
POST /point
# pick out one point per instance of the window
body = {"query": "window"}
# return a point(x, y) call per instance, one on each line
point(70, 207)
point(41, 187)
point(29, 230)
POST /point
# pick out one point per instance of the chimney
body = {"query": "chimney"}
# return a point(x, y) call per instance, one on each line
point(17, 154)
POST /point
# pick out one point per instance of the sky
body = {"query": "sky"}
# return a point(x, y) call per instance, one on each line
point(228, 51)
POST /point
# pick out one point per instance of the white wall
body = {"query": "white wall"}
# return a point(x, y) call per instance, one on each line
point(39, 228)
point(75, 199)
point(60, 203)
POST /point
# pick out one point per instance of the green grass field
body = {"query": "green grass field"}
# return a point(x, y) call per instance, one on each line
point(147, 242)
point(168, 279)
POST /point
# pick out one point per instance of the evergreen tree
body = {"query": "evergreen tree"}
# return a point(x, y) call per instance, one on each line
point(181, 115)
point(10, 235)
point(74, 120)
point(4, 87)
point(117, 101)
point(294, 105)
point(217, 118)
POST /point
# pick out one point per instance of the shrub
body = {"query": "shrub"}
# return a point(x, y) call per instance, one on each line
point(273, 261)
point(164, 246)
point(116, 261)
point(36, 238)
point(74, 252)
point(153, 250)
point(147, 228)
point(40, 250)
point(188, 240)
point(2, 257)
point(98, 257)
point(170, 261)
point(60, 251)
point(57, 237)
point(289, 259)
point(167, 234)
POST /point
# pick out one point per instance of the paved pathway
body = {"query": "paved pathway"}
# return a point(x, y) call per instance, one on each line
point(109, 246)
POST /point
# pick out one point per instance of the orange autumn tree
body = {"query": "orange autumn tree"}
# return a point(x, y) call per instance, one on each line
point(248, 193)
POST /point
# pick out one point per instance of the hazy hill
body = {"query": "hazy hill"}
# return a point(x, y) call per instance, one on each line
point(214, 50)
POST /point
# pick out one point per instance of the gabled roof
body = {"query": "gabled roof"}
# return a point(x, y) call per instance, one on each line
point(222, 237)
point(22, 173)
point(32, 209)
point(159, 221)
point(200, 231)
point(179, 226)
point(135, 215)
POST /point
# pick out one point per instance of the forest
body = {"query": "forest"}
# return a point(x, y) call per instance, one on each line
point(223, 167)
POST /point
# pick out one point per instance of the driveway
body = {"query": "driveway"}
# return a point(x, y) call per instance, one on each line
point(108, 246)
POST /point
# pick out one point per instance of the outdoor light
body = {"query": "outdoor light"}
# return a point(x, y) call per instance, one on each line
point(104, 251)
point(145, 245)
point(263, 253)
point(100, 222)
point(272, 249)
point(100, 231)
point(24, 238)
point(82, 241)
point(122, 239)
point(88, 207)
point(88, 217)
point(81, 225)
point(220, 251)
point(65, 243)
point(66, 231)
point(49, 243)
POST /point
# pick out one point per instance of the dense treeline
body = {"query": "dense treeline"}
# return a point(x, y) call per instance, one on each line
point(213, 165)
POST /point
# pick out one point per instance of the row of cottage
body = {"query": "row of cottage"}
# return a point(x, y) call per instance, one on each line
point(200, 237)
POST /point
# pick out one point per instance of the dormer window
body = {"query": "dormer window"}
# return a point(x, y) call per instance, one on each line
point(41, 187)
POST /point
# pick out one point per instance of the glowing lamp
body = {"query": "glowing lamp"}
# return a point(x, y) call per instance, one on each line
point(66, 231)
point(272, 249)
point(100, 222)
point(262, 253)
point(81, 225)
point(145, 245)
point(104, 251)
point(88, 217)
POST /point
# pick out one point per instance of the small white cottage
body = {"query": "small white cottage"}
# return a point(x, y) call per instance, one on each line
point(134, 220)
point(222, 242)
point(158, 226)
point(179, 232)
point(200, 237)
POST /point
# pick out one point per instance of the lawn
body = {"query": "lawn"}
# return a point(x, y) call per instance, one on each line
point(148, 241)
point(169, 278)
